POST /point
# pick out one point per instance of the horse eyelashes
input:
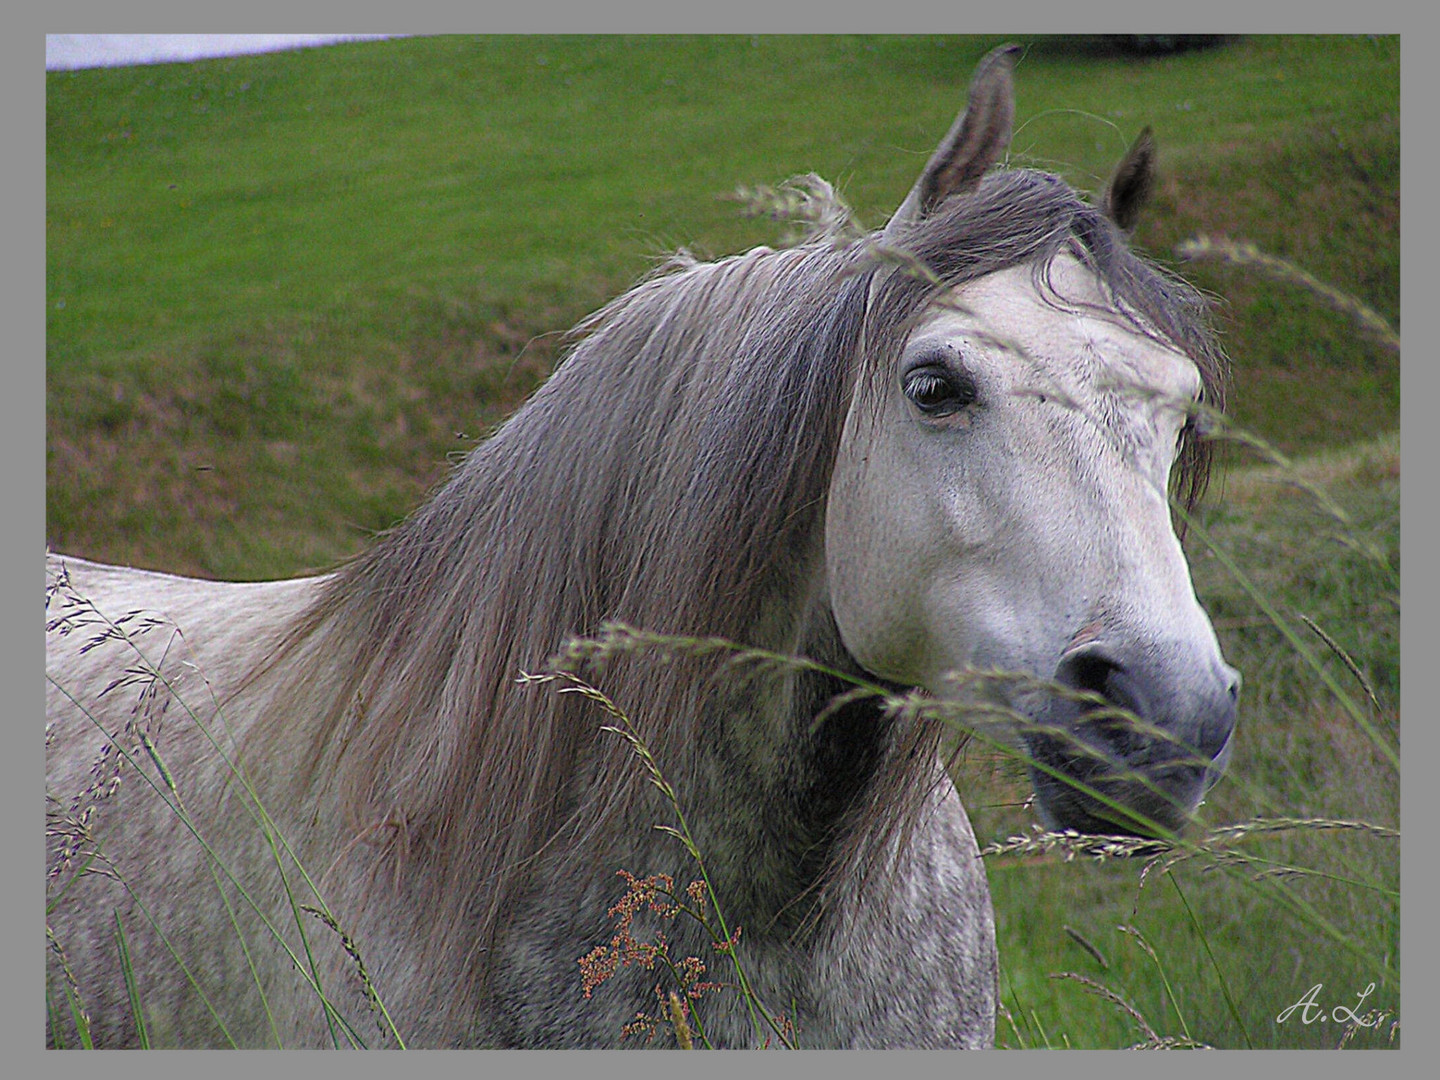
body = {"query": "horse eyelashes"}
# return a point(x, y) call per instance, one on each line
point(939, 393)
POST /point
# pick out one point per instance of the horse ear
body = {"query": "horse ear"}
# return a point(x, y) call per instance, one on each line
point(1132, 182)
point(978, 137)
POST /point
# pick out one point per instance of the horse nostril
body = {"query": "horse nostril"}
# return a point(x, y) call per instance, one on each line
point(1095, 671)
point(1091, 670)
point(1088, 670)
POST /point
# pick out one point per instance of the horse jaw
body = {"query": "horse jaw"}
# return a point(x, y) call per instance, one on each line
point(1032, 528)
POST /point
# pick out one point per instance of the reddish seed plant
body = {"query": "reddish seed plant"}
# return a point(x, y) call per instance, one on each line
point(656, 894)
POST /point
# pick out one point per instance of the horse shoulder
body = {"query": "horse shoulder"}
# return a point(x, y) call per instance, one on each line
point(141, 673)
point(913, 962)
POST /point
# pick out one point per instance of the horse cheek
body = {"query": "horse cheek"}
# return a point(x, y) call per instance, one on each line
point(860, 544)
point(882, 561)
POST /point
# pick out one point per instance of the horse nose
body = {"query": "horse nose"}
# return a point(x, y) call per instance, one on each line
point(1225, 725)
point(1220, 730)
point(1197, 713)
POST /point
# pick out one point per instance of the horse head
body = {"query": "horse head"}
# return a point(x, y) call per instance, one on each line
point(1000, 499)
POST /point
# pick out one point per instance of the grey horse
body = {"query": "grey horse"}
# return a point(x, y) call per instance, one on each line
point(909, 457)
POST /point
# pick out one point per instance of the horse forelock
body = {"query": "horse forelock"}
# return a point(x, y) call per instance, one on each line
point(1020, 216)
point(671, 474)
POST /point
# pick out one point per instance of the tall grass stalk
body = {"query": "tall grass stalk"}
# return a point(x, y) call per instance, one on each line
point(1210, 954)
point(1149, 951)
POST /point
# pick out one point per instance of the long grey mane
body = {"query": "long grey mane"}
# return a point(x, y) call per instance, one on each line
point(672, 474)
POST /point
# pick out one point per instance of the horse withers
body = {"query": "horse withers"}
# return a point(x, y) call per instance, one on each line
point(914, 457)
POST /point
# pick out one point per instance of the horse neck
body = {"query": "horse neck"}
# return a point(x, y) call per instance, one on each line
point(771, 796)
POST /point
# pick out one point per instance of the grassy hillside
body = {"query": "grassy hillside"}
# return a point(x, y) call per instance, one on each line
point(281, 289)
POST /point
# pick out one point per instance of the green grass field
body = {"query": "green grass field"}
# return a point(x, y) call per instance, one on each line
point(282, 291)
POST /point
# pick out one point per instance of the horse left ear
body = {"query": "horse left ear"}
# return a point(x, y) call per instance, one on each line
point(975, 141)
point(1132, 182)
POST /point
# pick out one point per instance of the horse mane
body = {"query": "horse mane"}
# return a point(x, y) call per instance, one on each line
point(671, 474)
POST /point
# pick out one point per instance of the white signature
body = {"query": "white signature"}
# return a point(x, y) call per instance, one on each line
point(1311, 1010)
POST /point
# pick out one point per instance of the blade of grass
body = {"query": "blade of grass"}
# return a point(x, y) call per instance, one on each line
point(1205, 943)
point(57, 1030)
point(82, 1024)
point(240, 936)
point(132, 989)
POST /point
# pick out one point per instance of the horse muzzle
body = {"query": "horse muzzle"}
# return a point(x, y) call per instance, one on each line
point(1129, 744)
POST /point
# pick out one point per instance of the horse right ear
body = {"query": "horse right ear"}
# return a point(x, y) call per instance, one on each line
point(980, 134)
point(1131, 184)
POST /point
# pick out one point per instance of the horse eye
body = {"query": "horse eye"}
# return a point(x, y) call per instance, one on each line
point(938, 393)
